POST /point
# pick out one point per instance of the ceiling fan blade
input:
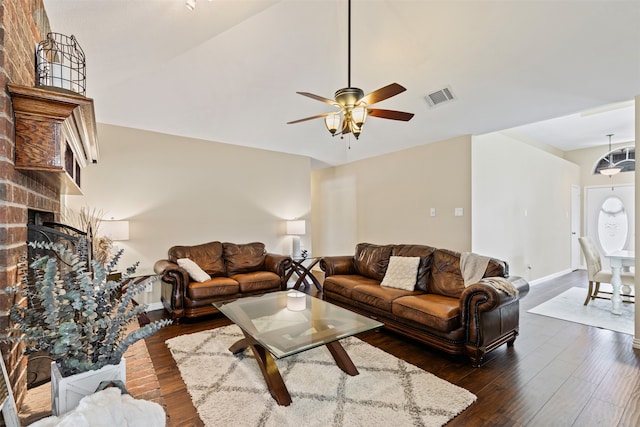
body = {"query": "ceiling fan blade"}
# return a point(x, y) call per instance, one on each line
point(383, 93)
point(390, 114)
point(318, 98)
point(317, 116)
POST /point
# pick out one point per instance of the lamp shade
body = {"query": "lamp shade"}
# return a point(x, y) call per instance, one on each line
point(296, 227)
point(332, 122)
point(359, 115)
point(114, 230)
point(610, 171)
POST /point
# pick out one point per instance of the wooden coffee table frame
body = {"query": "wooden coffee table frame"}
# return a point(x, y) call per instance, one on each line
point(327, 325)
point(270, 371)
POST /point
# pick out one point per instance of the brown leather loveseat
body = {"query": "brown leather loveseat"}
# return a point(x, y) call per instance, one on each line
point(439, 310)
point(222, 271)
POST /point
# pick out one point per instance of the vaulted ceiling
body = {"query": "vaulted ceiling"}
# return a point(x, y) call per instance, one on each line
point(228, 70)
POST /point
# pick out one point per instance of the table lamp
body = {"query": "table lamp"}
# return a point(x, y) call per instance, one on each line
point(295, 229)
point(114, 230)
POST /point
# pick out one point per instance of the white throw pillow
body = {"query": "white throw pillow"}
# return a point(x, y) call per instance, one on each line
point(194, 270)
point(402, 272)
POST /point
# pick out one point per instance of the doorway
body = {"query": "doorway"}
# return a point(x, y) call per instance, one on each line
point(610, 218)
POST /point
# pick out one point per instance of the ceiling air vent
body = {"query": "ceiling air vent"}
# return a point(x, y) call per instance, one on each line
point(439, 97)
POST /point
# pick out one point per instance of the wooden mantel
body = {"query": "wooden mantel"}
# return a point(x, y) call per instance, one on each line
point(55, 132)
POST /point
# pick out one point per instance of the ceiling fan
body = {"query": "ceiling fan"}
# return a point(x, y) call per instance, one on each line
point(353, 105)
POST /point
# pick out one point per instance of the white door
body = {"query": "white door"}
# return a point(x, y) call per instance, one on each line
point(575, 227)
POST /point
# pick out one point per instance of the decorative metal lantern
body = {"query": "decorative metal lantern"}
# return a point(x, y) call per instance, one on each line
point(60, 63)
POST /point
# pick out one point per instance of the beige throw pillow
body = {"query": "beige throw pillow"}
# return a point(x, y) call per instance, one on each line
point(194, 270)
point(402, 273)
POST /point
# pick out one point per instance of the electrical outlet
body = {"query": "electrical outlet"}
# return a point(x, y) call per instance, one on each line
point(458, 212)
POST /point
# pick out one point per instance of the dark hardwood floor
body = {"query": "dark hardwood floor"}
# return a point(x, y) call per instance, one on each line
point(558, 373)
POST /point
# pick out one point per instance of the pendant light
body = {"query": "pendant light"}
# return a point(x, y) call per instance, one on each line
point(611, 169)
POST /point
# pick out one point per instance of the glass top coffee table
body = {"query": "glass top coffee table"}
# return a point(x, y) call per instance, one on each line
point(289, 322)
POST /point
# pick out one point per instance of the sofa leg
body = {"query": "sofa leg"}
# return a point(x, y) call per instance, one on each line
point(175, 319)
point(476, 361)
point(511, 342)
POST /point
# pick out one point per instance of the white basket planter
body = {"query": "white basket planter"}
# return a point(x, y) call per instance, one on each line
point(66, 392)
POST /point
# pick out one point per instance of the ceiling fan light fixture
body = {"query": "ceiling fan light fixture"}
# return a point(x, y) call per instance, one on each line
point(190, 4)
point(359, 115)
point(332, 122)
point(355, 129)
point(354, 105)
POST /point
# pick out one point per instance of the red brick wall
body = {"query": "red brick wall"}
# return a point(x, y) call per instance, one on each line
point(23, 23)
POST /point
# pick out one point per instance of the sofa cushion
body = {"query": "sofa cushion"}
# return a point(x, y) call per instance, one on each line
point(402, 273)
point(195, 272)
point(207, 255)
point(216, 287)
point(438, 312)
point(424, 269)
point(378, 296)
point(446, 277)
point(257, 281)
point(344, 284)
point(371, 260)
point(243, 258)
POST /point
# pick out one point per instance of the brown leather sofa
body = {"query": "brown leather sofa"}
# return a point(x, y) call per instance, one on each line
point(235, 270)
point(441, 311)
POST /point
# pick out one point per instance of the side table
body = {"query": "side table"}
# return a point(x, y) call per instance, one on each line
point(136, 279)
point(304, 273)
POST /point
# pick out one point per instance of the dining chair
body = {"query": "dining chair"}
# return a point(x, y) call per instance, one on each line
point(597, 275)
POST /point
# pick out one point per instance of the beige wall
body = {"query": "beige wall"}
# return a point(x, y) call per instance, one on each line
point(522, 205)
point(387, 199)
point(176, 190)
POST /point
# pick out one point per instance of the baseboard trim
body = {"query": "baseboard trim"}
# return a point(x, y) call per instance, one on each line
point(549, 277)
point(636, 343)
point(154, 306)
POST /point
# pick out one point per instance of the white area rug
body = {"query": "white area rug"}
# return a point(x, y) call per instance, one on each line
point(569, 305)
point(229, 390)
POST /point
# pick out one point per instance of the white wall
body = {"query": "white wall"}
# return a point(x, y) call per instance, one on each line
point(176, 191)
point(521, 205)
point(636, 339)
point(387, 199)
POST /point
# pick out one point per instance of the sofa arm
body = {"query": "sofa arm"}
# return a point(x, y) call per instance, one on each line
point(278, 264)
point(332, 265)
point(177, 277)
point(490, 316)
point(481, 297)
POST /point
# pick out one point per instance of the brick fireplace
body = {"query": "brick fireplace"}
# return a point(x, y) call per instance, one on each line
point(23, 23)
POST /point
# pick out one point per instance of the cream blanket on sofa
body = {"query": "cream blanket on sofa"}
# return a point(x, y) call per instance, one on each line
point(109, 408)
point(473, 267)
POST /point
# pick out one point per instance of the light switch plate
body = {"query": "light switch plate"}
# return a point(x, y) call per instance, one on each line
point(433, 212)
point(458, 212)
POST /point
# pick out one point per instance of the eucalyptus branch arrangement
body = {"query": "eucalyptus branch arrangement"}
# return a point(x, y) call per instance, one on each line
point(79, 317)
